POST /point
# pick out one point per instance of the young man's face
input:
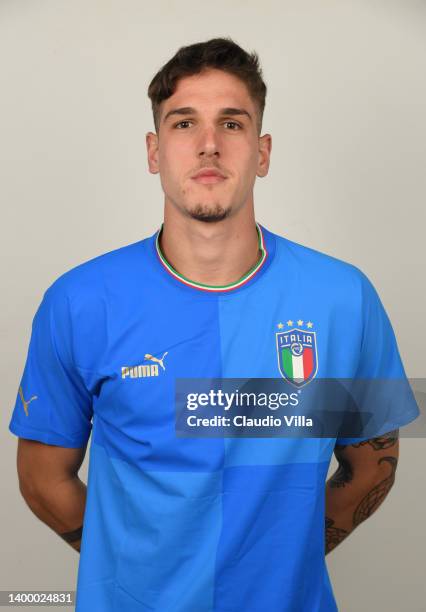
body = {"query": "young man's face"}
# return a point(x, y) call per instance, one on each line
point(209, 124)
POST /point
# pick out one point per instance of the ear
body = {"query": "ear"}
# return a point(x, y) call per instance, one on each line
point(265, 148)
point(152, 152)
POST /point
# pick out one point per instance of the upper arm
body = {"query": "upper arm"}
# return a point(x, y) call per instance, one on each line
point(54, 403)
point(41, 465)
point(367, 459)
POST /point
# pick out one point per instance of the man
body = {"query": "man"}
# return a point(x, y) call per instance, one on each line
point(177, 524)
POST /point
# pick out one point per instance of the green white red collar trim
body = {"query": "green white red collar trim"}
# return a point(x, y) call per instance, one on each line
point(212, 288)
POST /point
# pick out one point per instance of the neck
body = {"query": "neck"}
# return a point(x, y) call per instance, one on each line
point(213, 254)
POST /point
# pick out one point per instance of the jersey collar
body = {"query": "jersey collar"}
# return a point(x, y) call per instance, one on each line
point(212, 288)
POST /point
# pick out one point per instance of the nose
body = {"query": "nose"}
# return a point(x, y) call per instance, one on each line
point(209, 142)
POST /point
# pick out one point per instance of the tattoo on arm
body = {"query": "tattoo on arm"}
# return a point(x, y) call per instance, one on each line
point(374, 498)
point(381, 442)
point(333, 535)
point(343, 474)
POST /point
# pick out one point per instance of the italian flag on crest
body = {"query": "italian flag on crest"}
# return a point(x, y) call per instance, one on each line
point(297, 355)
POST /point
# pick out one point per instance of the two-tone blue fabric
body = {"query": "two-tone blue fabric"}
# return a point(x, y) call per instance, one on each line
point(195, 525)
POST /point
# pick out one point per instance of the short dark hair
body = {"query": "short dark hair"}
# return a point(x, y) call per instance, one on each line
point(220, 53)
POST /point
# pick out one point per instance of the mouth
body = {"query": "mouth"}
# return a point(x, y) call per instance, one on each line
point(208, 177)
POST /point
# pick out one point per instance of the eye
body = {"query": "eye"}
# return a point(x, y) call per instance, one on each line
point(236, 125)
point(181, 123)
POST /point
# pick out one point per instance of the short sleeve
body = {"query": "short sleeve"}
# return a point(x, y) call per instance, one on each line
point(53, 404)
point(380, 376)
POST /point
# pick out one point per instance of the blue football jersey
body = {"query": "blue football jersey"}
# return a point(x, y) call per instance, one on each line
point(178, 524)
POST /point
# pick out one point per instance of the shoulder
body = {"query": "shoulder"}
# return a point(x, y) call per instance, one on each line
point(96, 276)
point(320, 269)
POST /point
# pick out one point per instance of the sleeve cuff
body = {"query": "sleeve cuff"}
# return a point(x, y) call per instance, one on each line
point(49, 437)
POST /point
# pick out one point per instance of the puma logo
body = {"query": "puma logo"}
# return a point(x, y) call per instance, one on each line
point(25, 403)
point(160, 361)
point(144, 370)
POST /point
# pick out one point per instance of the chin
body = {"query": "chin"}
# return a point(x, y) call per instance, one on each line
point(209, 214)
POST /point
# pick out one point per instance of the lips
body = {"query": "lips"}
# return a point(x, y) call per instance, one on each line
point(208, 175)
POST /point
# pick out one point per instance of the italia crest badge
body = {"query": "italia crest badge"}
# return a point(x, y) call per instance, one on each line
point(297, 353)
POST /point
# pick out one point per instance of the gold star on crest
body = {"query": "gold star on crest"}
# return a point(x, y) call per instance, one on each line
point(280, 325)
point(309, 324)
point(300, 322)
point(289, 322)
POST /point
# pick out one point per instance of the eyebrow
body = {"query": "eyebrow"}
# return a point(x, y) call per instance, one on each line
point(188, 110)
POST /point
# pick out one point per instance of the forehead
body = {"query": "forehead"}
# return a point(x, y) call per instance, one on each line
point(210, 88)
